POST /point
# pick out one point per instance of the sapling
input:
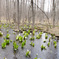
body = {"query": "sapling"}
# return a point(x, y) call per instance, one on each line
point(28, 53)
point(48, 44)
point(4, 45)
point(15, 46)
point(32, 44)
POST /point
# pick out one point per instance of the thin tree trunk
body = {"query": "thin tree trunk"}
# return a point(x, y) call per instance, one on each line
point(53, 13)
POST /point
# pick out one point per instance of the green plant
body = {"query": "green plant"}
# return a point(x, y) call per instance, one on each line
point(7, 31)
point(34, 32)
point(43, 47)
point(23, 43)
point(49, 39)
point(0, 26)
point(48, 44)
point(28, 31)
point(28, 53)
point(32, 38)
point(15, 46)
point(55, 45)
point(4, 45)
point(44, 41)
point(7, 36)
point(53, 37)
point(32, 44)
point(17, 37)
point(46, 36)
point(20, 38)
point(54, 42)
point(37, 58)
point(24, 32)
point(1, 34)
point(25, 36)
point(38, 37)
point(7, 41)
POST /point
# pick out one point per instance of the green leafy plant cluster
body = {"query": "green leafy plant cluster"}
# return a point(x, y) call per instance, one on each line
point(28, 31)
point(6, 42)
point(38, 37)
point(28, 53)
point(44, 41)
point(55, 44)
point(23, 43)
point(15, 46)
point(33, 32)
point(20, 38)
point(48, 44)
point(7, 36)
point(32, 38)
point(32, 44)
point(1, 34)
point(4, 45)
point(37, 58)
point(43, 47)
point(46, 36)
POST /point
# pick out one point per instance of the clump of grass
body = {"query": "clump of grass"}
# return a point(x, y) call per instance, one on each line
point(32, 44)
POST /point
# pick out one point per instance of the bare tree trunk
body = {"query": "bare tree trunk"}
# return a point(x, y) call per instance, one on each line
point(18, 13)
point(33, 20)
point(14, 15)
point(53, 13)
point(7, 10)
point(0, 10)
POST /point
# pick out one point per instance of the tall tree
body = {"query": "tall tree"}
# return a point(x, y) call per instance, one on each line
point(54, 13)
point(33, 19)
